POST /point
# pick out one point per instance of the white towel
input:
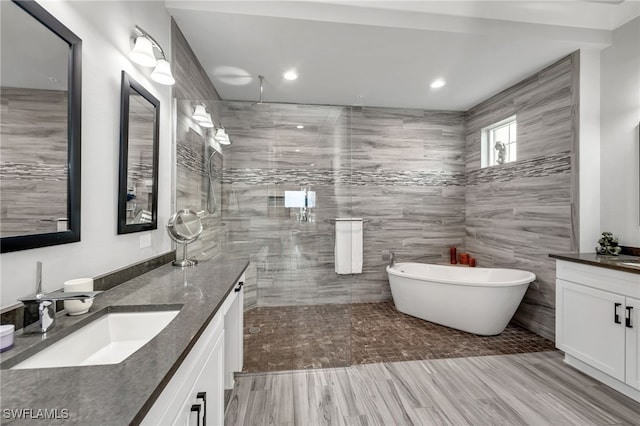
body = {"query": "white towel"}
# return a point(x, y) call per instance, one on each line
point(348, 248)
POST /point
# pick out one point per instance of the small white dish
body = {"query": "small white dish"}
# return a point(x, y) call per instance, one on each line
point(6, 337)
point(78, 307)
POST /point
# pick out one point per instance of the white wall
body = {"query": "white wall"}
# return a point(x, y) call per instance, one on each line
point(104, 28)
point(589, 150)
point(620, 109)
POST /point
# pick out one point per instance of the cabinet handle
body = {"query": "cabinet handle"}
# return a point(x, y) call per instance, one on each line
point(203, 397)
point(628, 316)
point(616, 317)
point(196, 408)
point(240, 284)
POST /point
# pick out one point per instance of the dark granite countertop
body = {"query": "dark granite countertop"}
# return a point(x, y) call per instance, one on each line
point(609, 262)
point(121, 393)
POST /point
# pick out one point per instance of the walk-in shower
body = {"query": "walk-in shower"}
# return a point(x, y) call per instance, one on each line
point(292, 293)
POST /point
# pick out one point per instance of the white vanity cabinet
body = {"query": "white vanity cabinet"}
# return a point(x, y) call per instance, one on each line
point(234, 337)
point(598, 323)
point(195, 394)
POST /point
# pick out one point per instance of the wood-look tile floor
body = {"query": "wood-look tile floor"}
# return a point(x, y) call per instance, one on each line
point(523, 389)
point(324, 336)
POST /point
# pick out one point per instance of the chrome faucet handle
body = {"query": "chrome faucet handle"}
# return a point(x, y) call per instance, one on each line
point(40, 314)
point(40, 309)
point(71, 295)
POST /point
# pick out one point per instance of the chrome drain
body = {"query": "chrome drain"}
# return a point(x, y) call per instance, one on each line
point(254, 330)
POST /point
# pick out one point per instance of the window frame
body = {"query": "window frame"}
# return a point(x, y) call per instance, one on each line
point(488, 141)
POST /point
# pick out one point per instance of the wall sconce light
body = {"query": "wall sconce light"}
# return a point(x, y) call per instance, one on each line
point(199, 113)
point(204, 120)
point(208, 123)
point(143, 53)
point(202, 117)
point(222, 136)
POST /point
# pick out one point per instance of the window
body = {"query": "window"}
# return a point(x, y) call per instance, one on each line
point(499, 143)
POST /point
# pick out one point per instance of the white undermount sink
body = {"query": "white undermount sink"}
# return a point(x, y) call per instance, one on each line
point(109, 339)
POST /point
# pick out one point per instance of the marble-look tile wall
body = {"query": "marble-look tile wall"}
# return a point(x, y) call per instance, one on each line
point(518, 213)
point(401, 170)
point(408, 185)
point(33, 160)
point(196, 156)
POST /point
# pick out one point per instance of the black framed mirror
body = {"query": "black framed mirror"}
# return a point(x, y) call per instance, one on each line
point(40, 90)
point(139, 145)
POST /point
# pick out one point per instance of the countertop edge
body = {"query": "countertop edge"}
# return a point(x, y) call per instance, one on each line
point(595, 260)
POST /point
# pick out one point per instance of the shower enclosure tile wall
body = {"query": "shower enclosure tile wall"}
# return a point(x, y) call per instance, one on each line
point(518, 213)
point(408, 184)
point(293, 259)
point(401, 170)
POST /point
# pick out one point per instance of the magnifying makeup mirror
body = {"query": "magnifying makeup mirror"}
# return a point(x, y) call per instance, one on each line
point(184, 227)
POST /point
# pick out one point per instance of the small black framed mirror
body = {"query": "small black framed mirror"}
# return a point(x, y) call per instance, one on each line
point(40, 91)
point(139, 149)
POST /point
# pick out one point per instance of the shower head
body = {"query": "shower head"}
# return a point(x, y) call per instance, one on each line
point(260, 104)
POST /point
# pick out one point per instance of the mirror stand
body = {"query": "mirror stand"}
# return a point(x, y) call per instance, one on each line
point(185, 263)
point(184, 227)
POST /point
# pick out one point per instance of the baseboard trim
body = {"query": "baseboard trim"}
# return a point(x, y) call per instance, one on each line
point(623, 388)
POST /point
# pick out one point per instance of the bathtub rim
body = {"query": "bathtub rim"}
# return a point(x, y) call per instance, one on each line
point(396, 272)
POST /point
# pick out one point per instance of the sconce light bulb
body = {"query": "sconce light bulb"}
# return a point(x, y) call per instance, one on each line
point(199, 113)
point(142, 52)
point(222, 137)
point(162, 73)
point(220, 134)
point(208, 123)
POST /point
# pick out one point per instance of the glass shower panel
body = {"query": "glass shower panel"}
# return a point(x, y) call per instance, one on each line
point(286, 178)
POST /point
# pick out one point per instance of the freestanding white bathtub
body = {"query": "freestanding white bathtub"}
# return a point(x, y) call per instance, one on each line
point(477, 300)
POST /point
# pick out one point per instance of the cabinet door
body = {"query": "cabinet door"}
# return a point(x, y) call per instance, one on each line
point(173, 406)
point(633, 342)
point(234, 339)
point(211, 382)
point(206, 391)
point(588, 329)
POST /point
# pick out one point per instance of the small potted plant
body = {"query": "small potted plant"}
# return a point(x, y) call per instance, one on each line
point(608, 245)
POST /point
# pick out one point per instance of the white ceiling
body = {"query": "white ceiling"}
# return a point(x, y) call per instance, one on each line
point(386, 53)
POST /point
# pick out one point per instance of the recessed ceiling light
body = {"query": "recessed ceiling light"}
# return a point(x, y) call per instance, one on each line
point(290, 75)
point(297, 150)
point(299, 126)
point(438, 83)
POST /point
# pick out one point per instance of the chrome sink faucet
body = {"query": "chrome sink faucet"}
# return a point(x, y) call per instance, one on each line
point(40, 309)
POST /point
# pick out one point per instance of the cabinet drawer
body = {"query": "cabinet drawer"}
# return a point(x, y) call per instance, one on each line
point(623, 283)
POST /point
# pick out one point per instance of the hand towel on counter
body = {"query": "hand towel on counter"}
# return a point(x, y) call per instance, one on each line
point(348, 247)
